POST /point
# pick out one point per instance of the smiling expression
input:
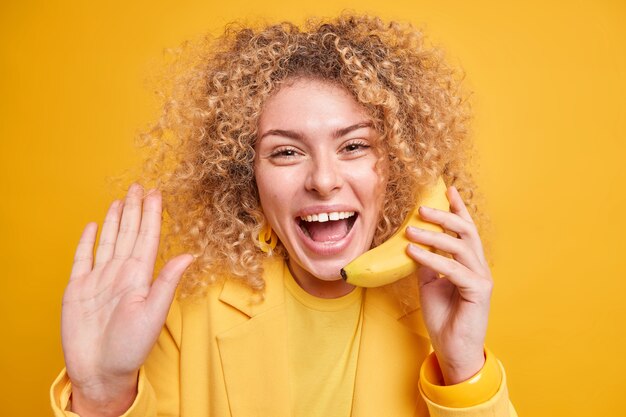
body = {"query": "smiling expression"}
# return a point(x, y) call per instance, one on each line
point(319, 185)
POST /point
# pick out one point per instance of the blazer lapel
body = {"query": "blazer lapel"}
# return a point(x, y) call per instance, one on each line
point(254, 353)
point(385, 384)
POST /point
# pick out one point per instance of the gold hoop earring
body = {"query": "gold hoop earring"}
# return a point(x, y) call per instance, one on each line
point(267, 239)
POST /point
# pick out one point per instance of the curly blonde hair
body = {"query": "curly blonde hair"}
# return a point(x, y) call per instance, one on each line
point(202, 146)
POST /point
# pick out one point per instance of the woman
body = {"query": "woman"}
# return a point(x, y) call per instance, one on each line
point(282, 156)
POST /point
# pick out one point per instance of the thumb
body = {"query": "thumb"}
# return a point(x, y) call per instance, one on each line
point(164, 286)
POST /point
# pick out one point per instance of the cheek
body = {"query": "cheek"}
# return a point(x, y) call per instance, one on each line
point(381, 179)
point(274, 195)
point(263, 189)
point(263, 177)
point(369, 182)
point(271, 189)
point(267, 199)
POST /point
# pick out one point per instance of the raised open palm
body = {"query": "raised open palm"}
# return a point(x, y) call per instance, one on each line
point(112, 310)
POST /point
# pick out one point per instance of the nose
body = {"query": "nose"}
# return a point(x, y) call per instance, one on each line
point(324, 176)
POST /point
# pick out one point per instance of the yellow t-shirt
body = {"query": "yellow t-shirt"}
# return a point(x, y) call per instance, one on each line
point(323, 338)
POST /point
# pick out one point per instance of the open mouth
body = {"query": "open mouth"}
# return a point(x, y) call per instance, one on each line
point(327, 227)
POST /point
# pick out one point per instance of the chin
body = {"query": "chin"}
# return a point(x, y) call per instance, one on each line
point(324, 270)
point(328, 274)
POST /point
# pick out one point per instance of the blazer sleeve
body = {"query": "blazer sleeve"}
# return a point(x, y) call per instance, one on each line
point(484, 395)
point(158, 378)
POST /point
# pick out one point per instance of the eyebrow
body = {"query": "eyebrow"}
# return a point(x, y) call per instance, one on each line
point(298, 135)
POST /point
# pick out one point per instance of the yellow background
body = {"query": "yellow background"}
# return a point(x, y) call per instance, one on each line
point(549, 96)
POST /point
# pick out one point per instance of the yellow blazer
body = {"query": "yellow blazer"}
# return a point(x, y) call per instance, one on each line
point(225, 356)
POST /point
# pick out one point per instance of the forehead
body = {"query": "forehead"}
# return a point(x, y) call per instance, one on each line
point(308, 101)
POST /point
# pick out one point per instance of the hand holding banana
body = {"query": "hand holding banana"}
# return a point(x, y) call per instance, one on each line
point(455, 291)
point(456, 307)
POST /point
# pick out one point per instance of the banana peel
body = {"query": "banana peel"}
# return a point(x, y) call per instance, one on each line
point(389, 261)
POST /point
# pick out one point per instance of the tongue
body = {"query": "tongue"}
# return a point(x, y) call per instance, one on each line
point(328, 231)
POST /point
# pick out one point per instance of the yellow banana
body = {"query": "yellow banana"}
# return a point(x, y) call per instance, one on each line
point(389, 261)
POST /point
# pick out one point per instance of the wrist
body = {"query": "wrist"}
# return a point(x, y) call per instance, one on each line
point(478, 389)
point(454, 372)
point(104, 399)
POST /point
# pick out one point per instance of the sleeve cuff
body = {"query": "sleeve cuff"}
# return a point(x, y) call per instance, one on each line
point(60, 395)
point(61, 390)
point(477, 390)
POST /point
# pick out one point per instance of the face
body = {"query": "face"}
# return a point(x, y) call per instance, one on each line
point(316, 171)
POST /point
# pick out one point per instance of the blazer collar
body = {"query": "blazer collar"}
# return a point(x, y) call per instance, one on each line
point(241, 297)
point(253, 354)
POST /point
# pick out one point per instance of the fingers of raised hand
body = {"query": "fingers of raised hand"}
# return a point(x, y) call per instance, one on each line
point(129, 224)
point(83, 258)
point(131, 229)
point(147, 243)
point(164, 287)
point(108, 237)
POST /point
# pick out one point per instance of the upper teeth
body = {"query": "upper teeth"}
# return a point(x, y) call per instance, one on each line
point(324, 217)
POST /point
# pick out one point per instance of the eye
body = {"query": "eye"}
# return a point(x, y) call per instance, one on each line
point(284, 153)
point(355, 147)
